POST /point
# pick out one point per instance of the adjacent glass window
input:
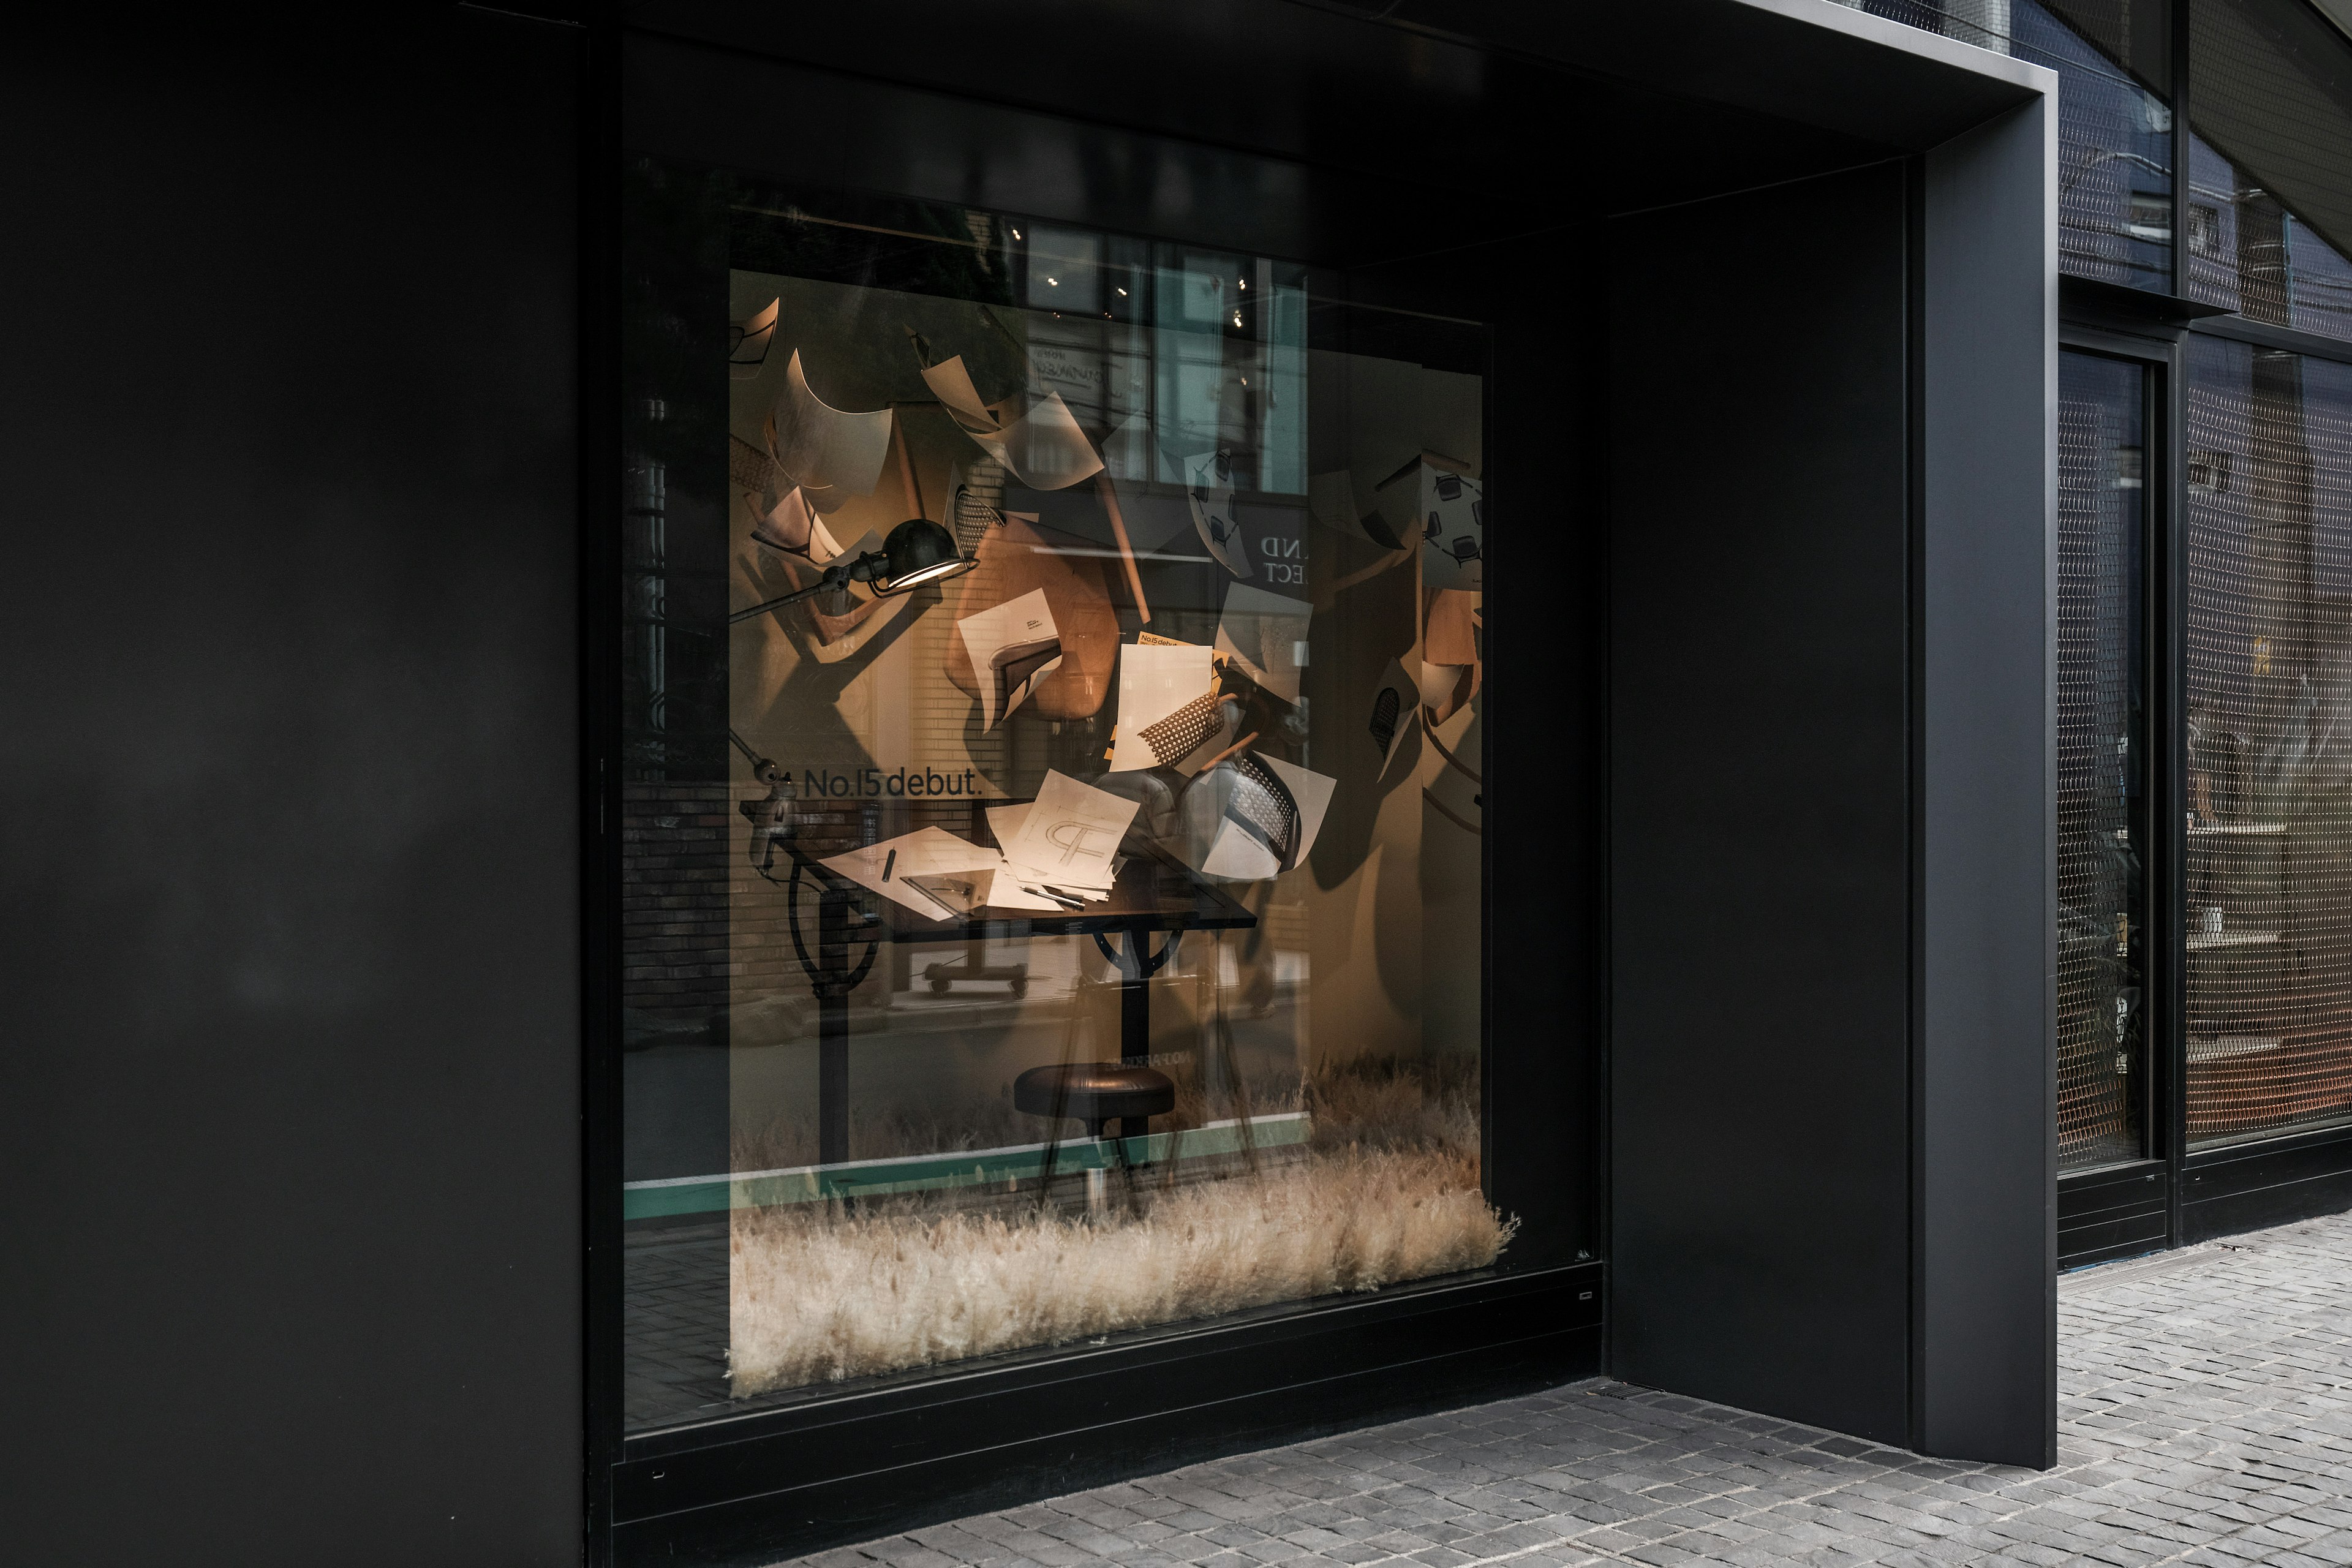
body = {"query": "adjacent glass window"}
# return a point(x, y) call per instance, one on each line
point(2114, 118)
point(2103, 1063)
point(2269, 193)
point(1052, 868)
point(2269, 539)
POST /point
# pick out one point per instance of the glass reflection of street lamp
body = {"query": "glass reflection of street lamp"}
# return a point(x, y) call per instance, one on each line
point(919, 550)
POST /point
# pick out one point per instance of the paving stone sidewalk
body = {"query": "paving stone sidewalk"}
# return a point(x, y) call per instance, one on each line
point(2205, 1417)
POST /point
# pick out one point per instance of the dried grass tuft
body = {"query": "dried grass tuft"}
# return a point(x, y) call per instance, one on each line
point(825, 1293)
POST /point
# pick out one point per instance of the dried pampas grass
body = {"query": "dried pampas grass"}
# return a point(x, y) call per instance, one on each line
point(822, 1293)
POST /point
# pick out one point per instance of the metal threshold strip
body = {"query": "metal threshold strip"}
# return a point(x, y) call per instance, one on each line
point(935, 1173)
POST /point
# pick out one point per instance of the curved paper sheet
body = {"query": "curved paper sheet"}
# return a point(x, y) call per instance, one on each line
point(1211, 498)
point(1043, 448)
point(1223, 833)
point(1395, 710)
point(1161, 687)
point(1013, 646)
point(950, 382)
point(1266, 634)
point(1430, 499)
point(753, 335)
point(824, 449)
point(791, 527)
point(1332, 501)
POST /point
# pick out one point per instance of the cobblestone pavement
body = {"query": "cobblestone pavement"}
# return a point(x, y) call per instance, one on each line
point(2205, 1417)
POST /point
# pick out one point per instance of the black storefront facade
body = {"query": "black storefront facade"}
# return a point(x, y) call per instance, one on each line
point(755, 787)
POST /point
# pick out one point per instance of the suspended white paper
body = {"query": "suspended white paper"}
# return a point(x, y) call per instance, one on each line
point(753, 335)
point(1332, 501)
point(950, 382)
point(1210, 496)
point(1043, 448)
point(1266, 634)
point(833, 454)
point(1430, 499)
point(1013, 646)
point(1255, 817)
point(791, 527)
point(1167, 706)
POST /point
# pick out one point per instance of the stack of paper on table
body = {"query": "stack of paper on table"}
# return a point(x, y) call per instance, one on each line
point(1060, 852)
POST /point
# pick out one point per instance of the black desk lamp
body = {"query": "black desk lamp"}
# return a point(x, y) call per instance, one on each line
point(919, 550)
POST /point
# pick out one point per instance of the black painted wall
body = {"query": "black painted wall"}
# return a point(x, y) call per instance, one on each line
point(1759, 802)
point(290, 1093)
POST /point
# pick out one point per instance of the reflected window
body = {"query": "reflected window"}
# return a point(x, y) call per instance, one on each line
point(2103, 1063)
point(2269, 918)
point(2271, 165)
point(2114, 118)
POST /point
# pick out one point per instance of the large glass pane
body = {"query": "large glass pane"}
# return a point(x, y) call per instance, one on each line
point(2102, 820)
point(2270, 194)
point(2115, 119)
point(1054, 886)
point(2269, 535)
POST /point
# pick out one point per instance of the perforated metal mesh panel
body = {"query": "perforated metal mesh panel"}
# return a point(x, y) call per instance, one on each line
point(2269, 537)
point(2101, 1063)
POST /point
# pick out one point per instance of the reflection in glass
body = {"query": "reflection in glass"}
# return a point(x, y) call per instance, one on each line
point(2270, 196)
point(1087, 941)
point(2114, 122)
point(2102, 820)
point(2269, 942)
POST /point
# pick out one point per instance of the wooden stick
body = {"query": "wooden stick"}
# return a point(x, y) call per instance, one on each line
point(907, 468)
point(1229, 750)
point(1126, 549)
point(1374, 570)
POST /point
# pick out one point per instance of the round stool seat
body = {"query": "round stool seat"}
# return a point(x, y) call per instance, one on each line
point(1094, 1093)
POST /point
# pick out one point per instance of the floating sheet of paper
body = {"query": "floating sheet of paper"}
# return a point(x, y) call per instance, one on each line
point(1396, 710)
point(1152, 519)
point(1332, 501)
point(791, 527)
point(1043, 448)
point(831, 454)
point(1166, 704)
point(1266, 634)
point(1070, 835)
point(1013, 646)
point(1210, 496)
point(926, 853)
point(753, 335)
point(1447, 511)
point(1254, 817)
point(950, 382)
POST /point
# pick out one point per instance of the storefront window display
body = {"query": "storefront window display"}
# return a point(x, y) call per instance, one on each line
point(2103, 827)
point(2269, 827)
point(1053, 681)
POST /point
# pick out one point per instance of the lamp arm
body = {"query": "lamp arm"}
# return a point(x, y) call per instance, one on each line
point(840, 574)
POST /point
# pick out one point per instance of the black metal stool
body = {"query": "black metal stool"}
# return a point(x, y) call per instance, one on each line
point(1095, 1092)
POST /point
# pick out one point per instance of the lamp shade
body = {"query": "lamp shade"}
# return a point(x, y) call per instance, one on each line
point(919, 550)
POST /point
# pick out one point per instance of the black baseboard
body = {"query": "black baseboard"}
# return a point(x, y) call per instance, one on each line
point(2249, 1186)
point(2111, 1214)
point(736, 1494)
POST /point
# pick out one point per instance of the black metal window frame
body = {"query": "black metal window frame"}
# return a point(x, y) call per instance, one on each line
point(2174, 1195)
point(839, 1467)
